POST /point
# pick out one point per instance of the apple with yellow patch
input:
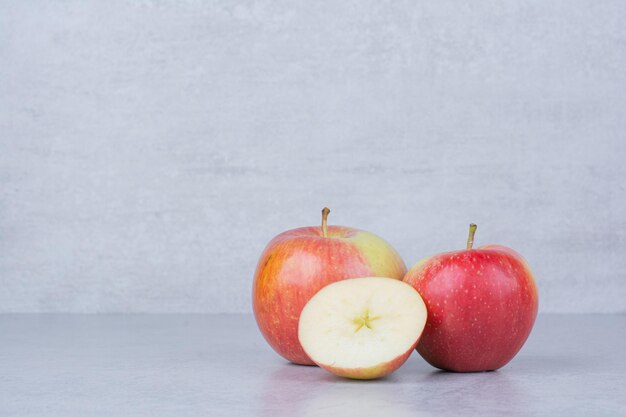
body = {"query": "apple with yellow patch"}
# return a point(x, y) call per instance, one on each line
point(482, 305)
point(296, 264)
point(362, 328)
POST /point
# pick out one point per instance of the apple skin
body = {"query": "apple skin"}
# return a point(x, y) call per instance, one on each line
point(374, 372)
point(482, 304)
point(298, 263)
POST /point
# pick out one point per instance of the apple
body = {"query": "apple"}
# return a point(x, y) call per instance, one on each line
point(481, 303)
point(299, 262)
point(362, 328)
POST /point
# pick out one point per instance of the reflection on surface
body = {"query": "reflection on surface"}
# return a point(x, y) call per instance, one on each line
point(492, 393)
point(309, 392)
point(295, 390)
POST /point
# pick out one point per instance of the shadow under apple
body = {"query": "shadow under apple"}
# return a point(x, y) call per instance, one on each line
point(480, 393)
point(309, 391)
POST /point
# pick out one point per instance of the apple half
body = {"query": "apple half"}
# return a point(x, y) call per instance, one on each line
point(362, 328)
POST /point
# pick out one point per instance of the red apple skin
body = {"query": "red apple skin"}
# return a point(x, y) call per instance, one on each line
point(298, 263)
point(482, 304)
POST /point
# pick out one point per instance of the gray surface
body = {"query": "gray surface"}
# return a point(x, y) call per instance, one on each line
point(150, 149)
point(193, 365)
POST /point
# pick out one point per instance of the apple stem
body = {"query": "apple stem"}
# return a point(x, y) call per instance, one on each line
point(470, 238)
point(325, 212)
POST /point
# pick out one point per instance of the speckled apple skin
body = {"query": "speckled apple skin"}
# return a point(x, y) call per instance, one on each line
point(482, 304)
point(298, 263)
point(374, 372)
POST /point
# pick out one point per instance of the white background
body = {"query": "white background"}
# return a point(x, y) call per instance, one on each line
point(149, 150)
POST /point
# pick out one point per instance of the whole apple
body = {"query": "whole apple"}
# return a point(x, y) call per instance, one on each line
point(481, 304)
point(299, 262)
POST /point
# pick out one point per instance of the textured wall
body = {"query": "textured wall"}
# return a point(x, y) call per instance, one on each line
point(149, 150)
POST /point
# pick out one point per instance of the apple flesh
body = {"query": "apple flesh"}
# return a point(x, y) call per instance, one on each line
point(298, 263)
point(362, 328)
point(481, 303)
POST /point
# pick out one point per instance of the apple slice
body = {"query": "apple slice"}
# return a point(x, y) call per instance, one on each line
point(362, 328)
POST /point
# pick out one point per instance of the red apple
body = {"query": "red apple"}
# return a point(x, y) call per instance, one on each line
point(481, 303)
point(299, 262)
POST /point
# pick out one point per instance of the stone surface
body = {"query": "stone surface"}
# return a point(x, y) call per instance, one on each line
point(150, 149)
point(193, 365)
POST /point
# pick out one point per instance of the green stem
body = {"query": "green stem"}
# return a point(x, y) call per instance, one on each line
point(470, 238)
point(325, 212)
